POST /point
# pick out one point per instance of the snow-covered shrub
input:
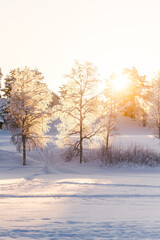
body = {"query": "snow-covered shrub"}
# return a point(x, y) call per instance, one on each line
point(132, 155)
point(69, 153)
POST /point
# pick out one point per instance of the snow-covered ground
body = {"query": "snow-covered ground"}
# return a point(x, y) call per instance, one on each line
point(52, 199)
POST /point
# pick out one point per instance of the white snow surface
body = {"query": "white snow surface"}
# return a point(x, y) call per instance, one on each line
point(52, 199)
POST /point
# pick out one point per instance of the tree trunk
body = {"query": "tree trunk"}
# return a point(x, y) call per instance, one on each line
point(144, 121)
point(134, 111)
point(108, 130)
point(81, 151)
point(107, 141)
point(81, 136)
point(134, 101)
point(24, 149)
point(81, 125)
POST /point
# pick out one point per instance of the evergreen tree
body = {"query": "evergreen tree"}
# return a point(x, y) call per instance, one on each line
point(9, 80)
point(136, 91)
point(0, 83)
point(6, 94)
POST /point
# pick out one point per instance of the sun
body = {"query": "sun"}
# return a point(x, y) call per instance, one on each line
point(120, 82)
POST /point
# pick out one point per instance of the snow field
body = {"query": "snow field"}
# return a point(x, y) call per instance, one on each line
point(81, 208)
point(50, 199)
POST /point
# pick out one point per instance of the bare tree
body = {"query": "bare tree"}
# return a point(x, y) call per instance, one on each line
point(77, 110)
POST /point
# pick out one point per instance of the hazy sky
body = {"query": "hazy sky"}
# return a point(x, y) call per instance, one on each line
point(51, 34)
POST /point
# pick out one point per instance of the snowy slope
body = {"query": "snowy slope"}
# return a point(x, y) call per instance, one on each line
point(130, 132)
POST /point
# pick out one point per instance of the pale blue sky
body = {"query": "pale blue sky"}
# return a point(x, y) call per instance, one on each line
point(51, 34)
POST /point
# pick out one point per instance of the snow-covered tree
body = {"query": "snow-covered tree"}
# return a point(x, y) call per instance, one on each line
point(28, 113)
point(8, 81)
point(154, 110)
point(77, 110)
point(0, 83)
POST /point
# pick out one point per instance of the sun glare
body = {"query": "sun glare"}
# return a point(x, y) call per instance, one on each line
point(120, 82)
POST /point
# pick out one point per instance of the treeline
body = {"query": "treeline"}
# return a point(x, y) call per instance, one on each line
point(85, 115)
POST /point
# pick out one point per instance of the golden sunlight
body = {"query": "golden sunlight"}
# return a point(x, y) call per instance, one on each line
point(120, 82)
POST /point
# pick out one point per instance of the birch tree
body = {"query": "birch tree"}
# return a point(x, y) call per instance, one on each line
point(27, 112)
point(108, 106)
point(77, 110)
